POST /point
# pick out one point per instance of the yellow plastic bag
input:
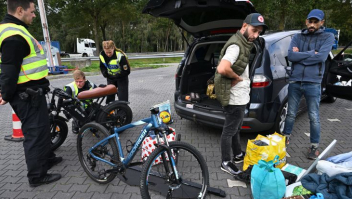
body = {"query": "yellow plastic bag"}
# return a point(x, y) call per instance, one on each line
point(210, 91)
point(276, 146)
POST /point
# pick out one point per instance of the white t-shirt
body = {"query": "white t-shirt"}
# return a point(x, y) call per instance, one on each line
point(240, 92)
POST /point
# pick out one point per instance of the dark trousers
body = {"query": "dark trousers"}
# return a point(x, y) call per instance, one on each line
point(37, 138)
point(122, 89)
point(230, 137)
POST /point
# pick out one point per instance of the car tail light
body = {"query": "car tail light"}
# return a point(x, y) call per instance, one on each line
point(246, 127)
point(260, 81)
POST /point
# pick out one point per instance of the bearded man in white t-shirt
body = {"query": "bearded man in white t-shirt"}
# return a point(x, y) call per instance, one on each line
point(232, 87)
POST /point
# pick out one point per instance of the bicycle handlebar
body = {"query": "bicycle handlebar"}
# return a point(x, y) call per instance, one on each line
point(60, 93)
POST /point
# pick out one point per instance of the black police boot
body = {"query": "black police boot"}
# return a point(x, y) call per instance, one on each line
point(48, 178)
point(54, 161)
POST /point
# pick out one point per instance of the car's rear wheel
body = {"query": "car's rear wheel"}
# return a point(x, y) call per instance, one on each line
point(329, 99)
point(280, 118)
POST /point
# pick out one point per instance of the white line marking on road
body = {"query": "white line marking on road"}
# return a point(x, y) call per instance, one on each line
point(349, 109)
point(334, 120)
point(236, 183)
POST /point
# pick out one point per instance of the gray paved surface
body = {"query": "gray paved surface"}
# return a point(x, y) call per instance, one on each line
point(148, 87)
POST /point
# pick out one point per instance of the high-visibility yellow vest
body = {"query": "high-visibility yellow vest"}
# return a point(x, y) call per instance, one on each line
point(113, 66)
point(74, 90)
point(34, 65)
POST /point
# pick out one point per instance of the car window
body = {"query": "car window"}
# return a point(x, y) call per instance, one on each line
point(278, 57)
point(347, 57)
point(279, 51)
point(206, 52)
point(214, 52)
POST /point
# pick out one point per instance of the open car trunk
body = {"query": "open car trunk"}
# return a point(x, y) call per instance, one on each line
point(202, 17)
point(339, 76)
point(199, 67)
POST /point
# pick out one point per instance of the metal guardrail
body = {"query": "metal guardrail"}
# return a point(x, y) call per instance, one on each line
point(131, 56)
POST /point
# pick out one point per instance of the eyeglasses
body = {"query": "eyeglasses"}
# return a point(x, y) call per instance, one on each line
point(313, 21)
point(79, 82)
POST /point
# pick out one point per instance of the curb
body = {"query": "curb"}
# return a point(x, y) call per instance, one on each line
point(50, 77)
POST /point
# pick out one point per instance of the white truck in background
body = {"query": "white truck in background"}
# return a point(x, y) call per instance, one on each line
point(85, 48)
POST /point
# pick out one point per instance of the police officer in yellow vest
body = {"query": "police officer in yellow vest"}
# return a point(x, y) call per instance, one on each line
point(23, 85)
point(115, 68)
point(78, 85)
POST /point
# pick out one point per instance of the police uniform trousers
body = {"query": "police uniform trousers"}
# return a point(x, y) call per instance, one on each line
point(37, 138)
point(122, 89)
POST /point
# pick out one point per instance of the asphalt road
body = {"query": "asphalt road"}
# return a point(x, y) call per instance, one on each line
point(149, 87)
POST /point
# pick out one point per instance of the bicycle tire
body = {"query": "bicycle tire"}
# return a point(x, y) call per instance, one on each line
point(59, 135)
point(190, 165)
point(90, 134)
point(120, 112)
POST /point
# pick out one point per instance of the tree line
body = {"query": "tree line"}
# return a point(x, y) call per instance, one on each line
point(123, 22)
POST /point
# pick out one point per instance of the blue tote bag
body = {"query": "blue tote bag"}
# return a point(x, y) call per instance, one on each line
point(267, 182)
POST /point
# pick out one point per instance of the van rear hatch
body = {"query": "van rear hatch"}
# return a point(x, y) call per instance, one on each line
point(202, 17)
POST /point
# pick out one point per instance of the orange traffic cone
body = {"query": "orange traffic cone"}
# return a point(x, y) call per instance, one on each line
point(17, 135)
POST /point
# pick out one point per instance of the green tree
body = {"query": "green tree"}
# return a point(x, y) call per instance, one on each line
point(341, 18)
point(3, 9)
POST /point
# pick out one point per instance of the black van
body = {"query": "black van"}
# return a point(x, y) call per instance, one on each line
point(212, 23)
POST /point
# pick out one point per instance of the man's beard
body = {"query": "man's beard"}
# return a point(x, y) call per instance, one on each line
point(312, 29)
point(246, 35)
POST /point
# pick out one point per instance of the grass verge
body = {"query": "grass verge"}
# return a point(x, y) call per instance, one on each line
point(135, 63)
point(347, 51)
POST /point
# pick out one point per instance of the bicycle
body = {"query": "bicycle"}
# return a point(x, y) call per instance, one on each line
point(115, 113)
point(182, 164)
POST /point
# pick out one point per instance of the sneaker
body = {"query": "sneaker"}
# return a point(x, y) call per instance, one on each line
point(313, 153)
point(48, 178)
point(230, 168)
point(239, 158)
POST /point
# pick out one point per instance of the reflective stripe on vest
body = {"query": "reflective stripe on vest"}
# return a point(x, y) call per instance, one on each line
point(74, 90)
point(113, 66)
point(34, 65)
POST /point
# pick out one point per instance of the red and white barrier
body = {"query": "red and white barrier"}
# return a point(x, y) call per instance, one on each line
point(17, 134)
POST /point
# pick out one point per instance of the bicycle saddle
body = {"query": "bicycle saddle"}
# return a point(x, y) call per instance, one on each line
point(97, 92)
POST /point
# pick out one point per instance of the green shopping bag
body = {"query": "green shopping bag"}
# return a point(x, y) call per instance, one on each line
point(267, 182)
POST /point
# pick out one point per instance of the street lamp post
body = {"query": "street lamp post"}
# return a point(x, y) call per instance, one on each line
point(50, 59)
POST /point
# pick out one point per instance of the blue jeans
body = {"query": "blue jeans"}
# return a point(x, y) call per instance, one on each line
point(312, 94)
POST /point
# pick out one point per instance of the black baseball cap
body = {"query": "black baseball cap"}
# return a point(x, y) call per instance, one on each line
point(256, 19)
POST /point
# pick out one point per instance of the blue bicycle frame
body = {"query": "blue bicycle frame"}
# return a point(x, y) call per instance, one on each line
point(150, 122)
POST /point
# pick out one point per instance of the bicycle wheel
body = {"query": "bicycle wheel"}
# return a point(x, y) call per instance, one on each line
point(90, 134)
point(115, 114)
point(191, 167)
point(58, 131)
